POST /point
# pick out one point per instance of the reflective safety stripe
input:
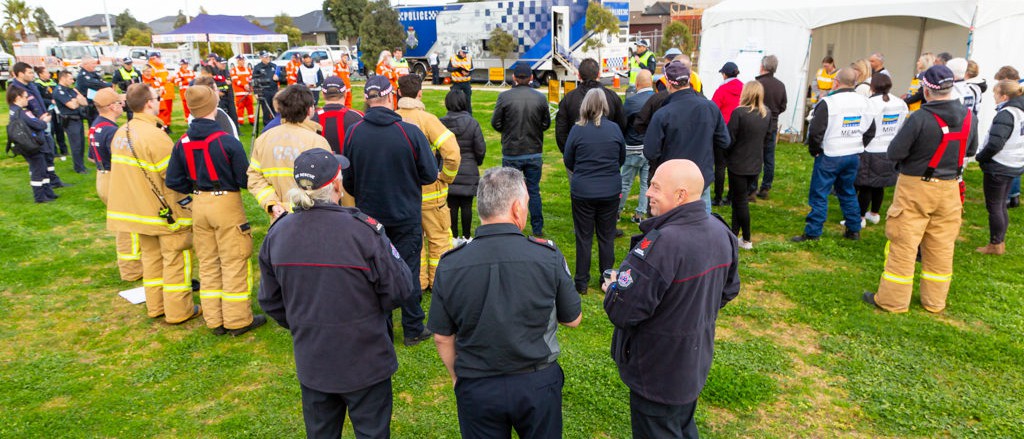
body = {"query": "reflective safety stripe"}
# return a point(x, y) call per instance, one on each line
point(435, 195)
point(449, 172)
point(135, 254)
point(255, 165)
point(248, 274)
point(264, 193)
point(129, 257)
point(235, 297)
point(51, 169)
point(177, 288)
point(935, 277)
point(441, 139)
point(149, 220)
point(210, 294)
point(157, 282)
point(902, 280)
point(433, 261)
point(35, 183)
point(128, 160)
point(278, 172)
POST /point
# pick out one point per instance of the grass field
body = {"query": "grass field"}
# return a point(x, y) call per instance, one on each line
point(798, 354)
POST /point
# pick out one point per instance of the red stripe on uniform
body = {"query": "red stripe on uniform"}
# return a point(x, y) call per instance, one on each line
point(679, 281)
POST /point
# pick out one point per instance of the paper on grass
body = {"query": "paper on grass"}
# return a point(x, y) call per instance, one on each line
point(135, 295)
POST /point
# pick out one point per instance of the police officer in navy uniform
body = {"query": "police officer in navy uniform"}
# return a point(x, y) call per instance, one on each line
point(496, 304)
point(664, 301)
point(331, 276)
point(90, 79)
point(71, 104)
point(264, 80)
point(24, 76)
point(124, 76)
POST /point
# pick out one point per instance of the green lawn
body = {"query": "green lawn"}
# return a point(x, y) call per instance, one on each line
point(798, 353)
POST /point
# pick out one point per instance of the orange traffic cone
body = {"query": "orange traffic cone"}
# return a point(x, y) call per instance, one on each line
point(615, 82)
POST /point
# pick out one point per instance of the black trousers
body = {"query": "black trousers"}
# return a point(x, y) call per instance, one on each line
point(408, 240)
point(738, 185)
point(40, 183)
point(369, 409)
point(435, 74)
point(58, 133)
point(870, 198)
point(720, 174)
point(267, 108)
point(76, 138)
point(461, 207)
point(653, 420)
point(468, 90)
point(530, 403)
point(589, 216)
point(996, 188)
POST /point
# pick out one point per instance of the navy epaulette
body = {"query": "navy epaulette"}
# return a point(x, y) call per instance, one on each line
point(544, 242)
point(461, 245)
point(370, 221)
point(643, 248)
point(715, 215)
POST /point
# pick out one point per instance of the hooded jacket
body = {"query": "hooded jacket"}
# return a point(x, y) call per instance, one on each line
point(132, 205)
point(472, 148)
point(727, 97)
point(1004, 126)
point(443, 145)
point(390, 162)
point(521, 116)
point(917, 141)
point(273, 161)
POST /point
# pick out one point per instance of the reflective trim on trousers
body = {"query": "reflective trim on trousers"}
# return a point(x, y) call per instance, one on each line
point(156, 282)
point(935, 277)
point(210, 294)
point(429, 196)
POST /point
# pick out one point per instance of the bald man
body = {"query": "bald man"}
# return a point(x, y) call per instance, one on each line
point(664, 302)
point(636, 164)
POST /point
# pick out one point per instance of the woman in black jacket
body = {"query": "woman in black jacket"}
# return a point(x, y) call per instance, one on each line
point(472, 147)
point(1002, 160)
point(17, 100)
point(748, 128)
point(594, 151)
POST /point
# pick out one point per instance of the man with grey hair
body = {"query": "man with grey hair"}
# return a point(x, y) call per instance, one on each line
point(877, 61)
point(497, 302)
point(88, 82)
point(775, 100)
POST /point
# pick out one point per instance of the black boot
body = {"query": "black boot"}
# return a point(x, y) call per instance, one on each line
point(39, 194)
point(1014, 202)
point(50, 194)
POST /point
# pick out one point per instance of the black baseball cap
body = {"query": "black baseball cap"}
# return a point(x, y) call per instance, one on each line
point(937, 77)
point(334, 84)
point(730, 69)
point(522, 70)
point(316, 168)
point(677, 73)
point(377, 86)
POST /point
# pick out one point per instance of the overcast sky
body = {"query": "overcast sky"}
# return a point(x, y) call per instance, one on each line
point(63, 11)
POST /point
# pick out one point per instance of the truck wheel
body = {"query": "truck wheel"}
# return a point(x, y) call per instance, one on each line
point(420, 69)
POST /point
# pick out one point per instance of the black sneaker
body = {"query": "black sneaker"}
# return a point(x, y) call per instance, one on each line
point(1014, 202)
point(763, 194)
point(804, 237)
point(257, 321)
point(220, 330)
point(851, 235)
point(419, 338)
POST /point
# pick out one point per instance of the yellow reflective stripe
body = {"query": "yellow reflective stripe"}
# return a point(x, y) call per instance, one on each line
point(441, 139)
point(264, 193)
point(903, 280)
point(157, 282)
point(135, 244)
point(187, 255)
point(149, 220)
point(129, 160)
point(248, 274)
point(278, 172)
point(210, 294)
point(129, 256)
point(434, 262)
point(435, 195)
point(235, 297)
point(935, 277)
point(254, 165)
point(176, 288)
point(448, 172)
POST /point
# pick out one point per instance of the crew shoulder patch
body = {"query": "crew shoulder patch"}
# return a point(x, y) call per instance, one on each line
point(643, 248)
point(543, 242)
point(370, 221)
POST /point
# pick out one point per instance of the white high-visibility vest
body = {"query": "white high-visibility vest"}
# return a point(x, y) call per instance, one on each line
point(849, 116)
point(888, 118)
point(1012, 154)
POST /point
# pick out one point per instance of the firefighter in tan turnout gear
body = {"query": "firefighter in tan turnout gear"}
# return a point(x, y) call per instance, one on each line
point(273, 154)
point(210, 164)
point(437, 221)
point(140, 202)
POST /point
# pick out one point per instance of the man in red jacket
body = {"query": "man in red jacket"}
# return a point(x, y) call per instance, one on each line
point(727, 98)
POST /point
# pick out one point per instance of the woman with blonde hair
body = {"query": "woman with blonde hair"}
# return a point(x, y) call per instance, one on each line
point(863, 69)
point(384, 68)
point(748, 128)
point(594, 151)
point(915, 97)
point(1002, 160)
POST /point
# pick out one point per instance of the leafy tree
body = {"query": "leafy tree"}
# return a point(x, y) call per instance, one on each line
point(502, 44)
point(283, 24)
point(379, 31)
point(125, 21)
point(181, 19)
point(137, 37)
point(44, 25)
point(77, 34)
point(601, 21)
point(677, 35)
point(17, 18)
point(345, 15)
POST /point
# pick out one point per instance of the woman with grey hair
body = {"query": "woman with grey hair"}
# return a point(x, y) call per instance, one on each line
point(594, 151)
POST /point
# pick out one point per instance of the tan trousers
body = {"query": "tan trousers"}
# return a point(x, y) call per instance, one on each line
point(224, 251)
point(437, 239)
point(129, 257)
point(925, 215)
point(167, 275)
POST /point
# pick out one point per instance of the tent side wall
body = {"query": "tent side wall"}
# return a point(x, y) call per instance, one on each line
point(737, 38)
point(994, 46)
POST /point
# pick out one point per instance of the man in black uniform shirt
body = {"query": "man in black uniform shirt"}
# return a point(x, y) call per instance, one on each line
point(88, 82)
point(124, 76)
point(70, 104)
point(264, 81)
point(335, 299)
point(497, 302)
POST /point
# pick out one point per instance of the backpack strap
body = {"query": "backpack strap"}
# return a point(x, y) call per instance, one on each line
point(94, 146)
point(191, 146)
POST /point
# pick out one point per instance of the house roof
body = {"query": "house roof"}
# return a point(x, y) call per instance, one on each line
point(664, 8)
point(95, 20)
point(163, 25)
point(314, 22)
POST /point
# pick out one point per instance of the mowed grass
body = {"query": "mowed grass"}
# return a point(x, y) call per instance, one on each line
point(798, 354)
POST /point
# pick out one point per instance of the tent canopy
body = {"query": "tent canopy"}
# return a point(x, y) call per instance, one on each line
point(800, 32)
point(220, 29)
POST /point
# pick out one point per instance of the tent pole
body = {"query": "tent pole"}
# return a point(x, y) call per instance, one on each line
point(805, 69)
point(970, 32)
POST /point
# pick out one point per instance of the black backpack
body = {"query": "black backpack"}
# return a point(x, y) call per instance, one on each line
point(20, 138)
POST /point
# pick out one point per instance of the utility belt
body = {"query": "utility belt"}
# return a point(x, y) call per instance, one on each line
point(532, 369)
point(70, 116)
point(215, 193)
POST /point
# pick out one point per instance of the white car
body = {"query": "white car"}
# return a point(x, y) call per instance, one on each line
point(250, 60)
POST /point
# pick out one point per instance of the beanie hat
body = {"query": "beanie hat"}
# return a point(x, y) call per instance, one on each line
point(201, 100)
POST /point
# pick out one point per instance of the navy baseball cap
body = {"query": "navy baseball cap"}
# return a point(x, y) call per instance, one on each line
point(730, 69)
point(377, 86)
point(317, 167)
point(677, 73)
point(264, 53)
point(126, 60)
point(334, 84)
point(937, 77)
point(522, 70)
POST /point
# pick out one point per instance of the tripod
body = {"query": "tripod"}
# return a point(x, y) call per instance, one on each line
point(261, 106)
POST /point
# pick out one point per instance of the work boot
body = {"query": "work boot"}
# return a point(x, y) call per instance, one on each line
point(257, 321)
point(419, 338)
point(1014, 202)
point(993, 249)
point(763, 193)
point(48, 191)
point(39, 194)
point(804, 237)
point(219, 330)
point(869, 298)
point(851, 235)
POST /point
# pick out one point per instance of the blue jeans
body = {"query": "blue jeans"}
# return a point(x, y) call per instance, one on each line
point(1015, 187)
point(839, 172)
point(635, 164)
point(706, 198)
point(531, 171)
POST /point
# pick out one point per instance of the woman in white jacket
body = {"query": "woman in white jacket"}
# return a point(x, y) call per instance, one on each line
point(876, 171)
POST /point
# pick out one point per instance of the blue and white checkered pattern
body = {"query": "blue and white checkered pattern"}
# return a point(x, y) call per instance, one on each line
point(528, 21)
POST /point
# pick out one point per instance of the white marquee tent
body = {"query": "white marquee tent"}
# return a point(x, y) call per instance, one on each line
point(801, 32)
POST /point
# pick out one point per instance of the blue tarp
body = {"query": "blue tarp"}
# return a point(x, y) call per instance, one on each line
point(220, 28)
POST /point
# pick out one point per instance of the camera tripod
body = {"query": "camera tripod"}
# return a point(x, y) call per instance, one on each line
point(262, 107)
